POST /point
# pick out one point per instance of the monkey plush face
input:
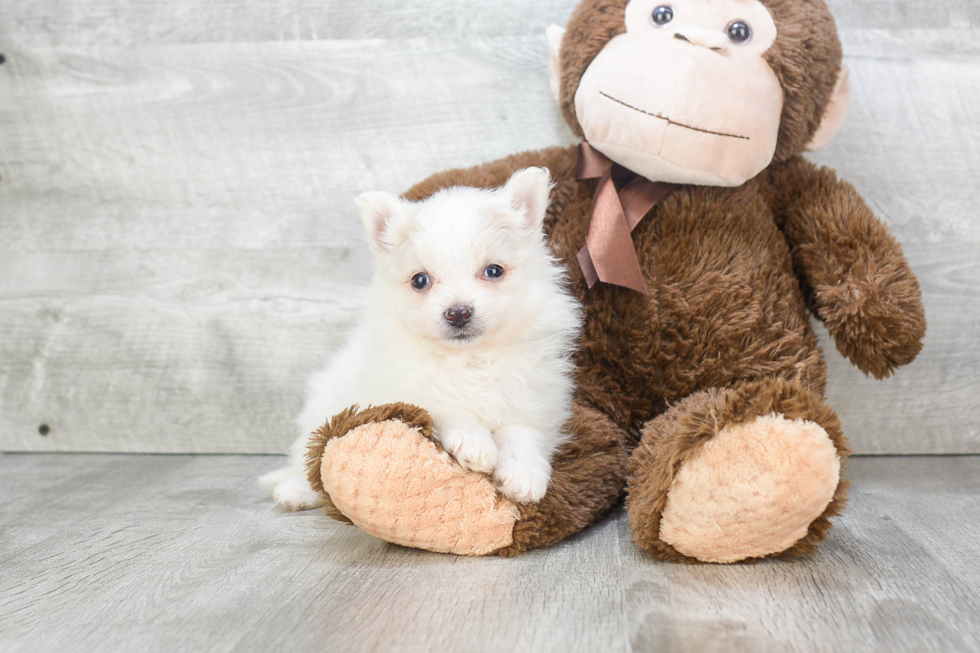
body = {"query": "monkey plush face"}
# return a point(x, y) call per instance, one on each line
point(697, 91)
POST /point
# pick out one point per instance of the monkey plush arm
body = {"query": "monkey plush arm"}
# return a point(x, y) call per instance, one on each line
point(853, 271)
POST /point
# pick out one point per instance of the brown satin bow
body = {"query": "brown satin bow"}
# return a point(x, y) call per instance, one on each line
point(622, 199)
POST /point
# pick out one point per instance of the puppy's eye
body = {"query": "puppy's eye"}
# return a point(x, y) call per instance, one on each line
point(420, 281)
point(493, 271)
point(662, 15)
point(738, 31)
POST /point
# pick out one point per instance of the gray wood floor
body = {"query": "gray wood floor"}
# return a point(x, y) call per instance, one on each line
point(184, 553)
point(178, 246)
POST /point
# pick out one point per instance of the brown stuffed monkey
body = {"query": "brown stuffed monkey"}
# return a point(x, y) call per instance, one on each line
point(699, 240)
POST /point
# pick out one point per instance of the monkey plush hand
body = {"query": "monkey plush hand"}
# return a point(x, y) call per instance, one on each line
point(698, 238)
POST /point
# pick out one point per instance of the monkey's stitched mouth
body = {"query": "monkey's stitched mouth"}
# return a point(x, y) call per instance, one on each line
point(673, 122)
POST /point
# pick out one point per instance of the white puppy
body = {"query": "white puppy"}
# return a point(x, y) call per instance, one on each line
point(468, 318)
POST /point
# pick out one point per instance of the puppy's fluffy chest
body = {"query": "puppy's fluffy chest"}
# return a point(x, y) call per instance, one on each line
point(498, 388)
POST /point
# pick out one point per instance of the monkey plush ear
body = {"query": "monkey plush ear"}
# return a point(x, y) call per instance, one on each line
point(377, 211)
point(528, 191)
point(836, 113)
point(555, 34)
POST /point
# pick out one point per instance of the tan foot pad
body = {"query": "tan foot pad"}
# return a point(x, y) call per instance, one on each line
point(752, 490)
point(394, 483)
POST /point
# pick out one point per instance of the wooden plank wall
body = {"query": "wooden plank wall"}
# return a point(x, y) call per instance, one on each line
point(178, 247)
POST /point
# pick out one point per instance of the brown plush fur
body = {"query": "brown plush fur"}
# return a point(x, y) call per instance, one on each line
point(723, 335)
point(805, 57)
point(348, 420)
point(731, 274)
point(855, 274)
point(589, 475)
point(674, 437)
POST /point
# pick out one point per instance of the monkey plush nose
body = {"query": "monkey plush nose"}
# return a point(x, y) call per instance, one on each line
point(706, 38)
point(458, 316)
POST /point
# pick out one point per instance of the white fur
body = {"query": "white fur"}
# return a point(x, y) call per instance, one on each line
point(499, 397)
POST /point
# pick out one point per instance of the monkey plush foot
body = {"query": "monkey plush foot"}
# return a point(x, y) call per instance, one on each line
point(751, 491)
point(732, 475)
point(381, 470)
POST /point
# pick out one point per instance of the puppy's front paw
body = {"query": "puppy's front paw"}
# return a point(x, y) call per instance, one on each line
point(524, 480)
point(296, 494)
point(474, 448)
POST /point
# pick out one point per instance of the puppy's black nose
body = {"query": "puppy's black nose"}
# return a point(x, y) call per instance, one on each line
point(458, 316)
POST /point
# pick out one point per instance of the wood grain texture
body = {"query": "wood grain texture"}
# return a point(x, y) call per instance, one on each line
point(911, 143)
point(178, 246)
point(122, 22)
point(47, 23)
point(169, 553)
point(931, 405)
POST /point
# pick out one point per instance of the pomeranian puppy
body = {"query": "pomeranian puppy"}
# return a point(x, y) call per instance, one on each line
point(468, 317)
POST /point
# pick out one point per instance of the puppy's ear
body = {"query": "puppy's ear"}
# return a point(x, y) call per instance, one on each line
point(378, 210)
point(528, 190)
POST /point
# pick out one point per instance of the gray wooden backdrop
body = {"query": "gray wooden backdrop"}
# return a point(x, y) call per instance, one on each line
point(178, 247)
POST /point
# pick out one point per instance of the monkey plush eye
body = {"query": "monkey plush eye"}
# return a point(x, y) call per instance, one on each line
point(738, 31)
point(493, 272)
point(662, 15)
point(420, 281)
